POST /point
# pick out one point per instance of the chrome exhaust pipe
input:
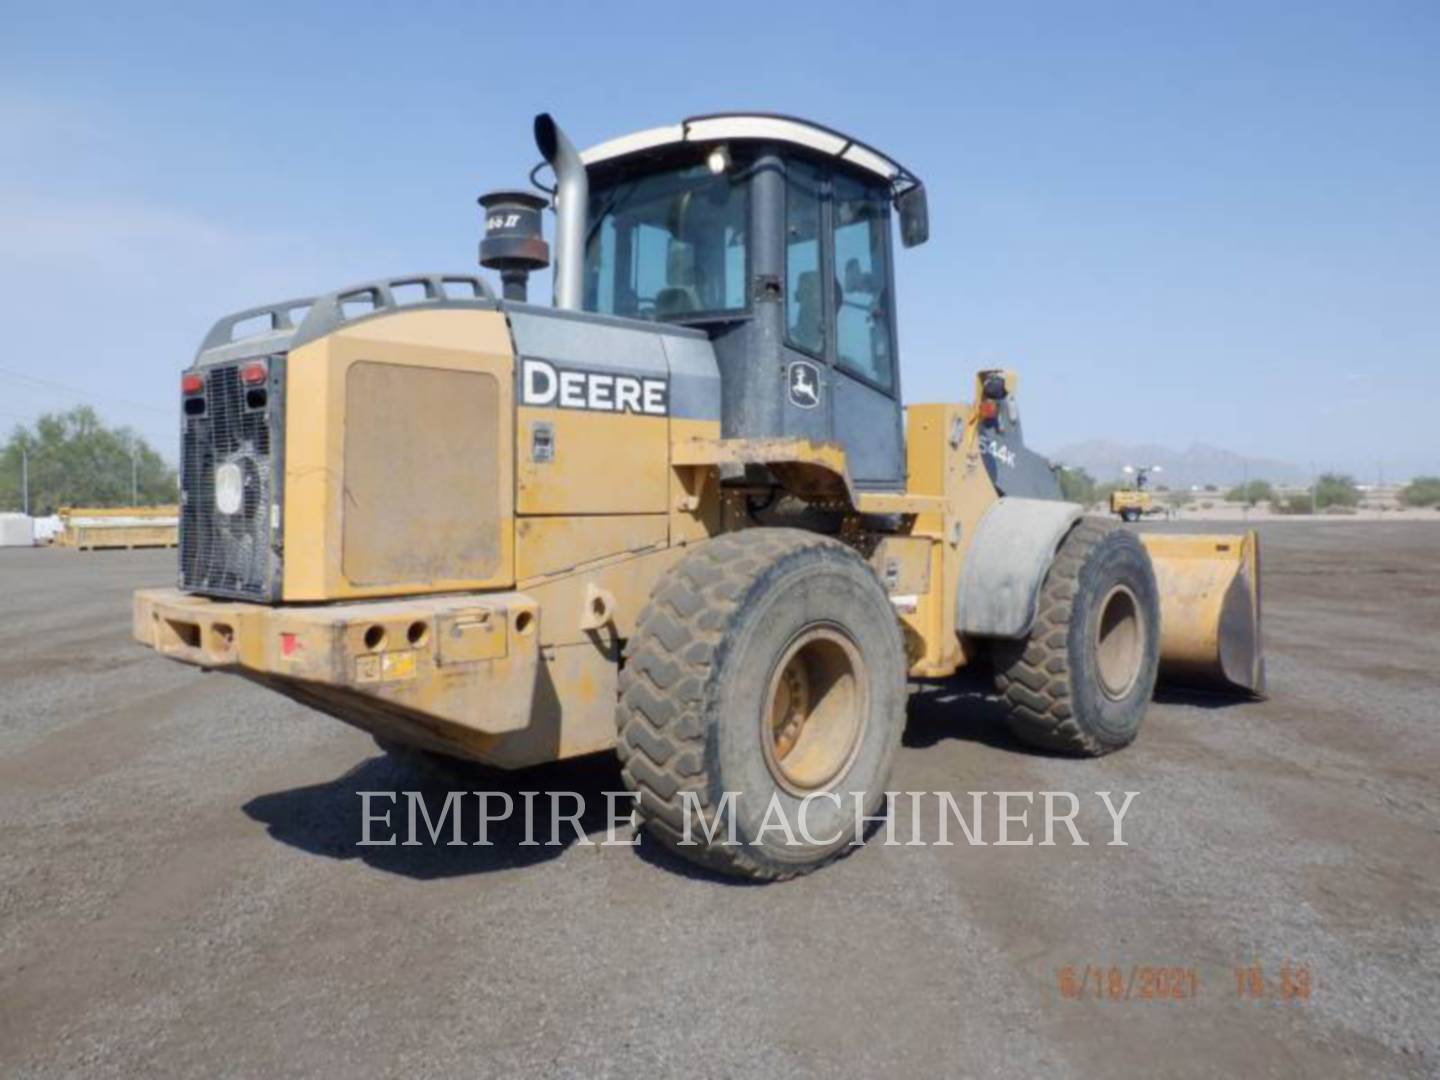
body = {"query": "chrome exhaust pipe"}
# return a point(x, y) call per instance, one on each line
point(572, 202)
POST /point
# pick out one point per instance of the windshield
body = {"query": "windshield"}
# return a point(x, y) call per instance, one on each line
point(668, 245)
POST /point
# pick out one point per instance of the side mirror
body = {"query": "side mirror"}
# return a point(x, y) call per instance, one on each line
point(914, 216)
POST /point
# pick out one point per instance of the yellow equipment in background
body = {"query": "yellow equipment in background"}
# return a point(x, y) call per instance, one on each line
point(93, 528)
point(1130, 505)
point(1133, 503)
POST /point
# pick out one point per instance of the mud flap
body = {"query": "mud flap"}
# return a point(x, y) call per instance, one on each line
point(1209, 610)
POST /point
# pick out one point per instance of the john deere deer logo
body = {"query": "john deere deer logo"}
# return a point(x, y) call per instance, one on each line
point(804, 384)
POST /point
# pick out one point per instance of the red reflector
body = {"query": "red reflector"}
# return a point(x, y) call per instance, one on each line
point(253, 373)
point(191, 384)
point(288, 644)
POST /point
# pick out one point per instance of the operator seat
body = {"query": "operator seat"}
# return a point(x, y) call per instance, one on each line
point(809, 329)
point(679, 297)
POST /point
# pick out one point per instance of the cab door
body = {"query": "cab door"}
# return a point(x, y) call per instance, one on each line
point(842, 378)
point(865, 367)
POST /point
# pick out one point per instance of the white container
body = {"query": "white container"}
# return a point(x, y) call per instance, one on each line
point(17, 530)
point(47, 528)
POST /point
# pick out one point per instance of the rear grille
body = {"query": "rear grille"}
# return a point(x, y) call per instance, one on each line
point(235, 554)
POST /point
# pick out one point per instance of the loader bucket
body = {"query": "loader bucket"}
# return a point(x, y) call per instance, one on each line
point(1209, 610)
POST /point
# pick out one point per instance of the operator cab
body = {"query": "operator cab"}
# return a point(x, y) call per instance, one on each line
point(773, 236)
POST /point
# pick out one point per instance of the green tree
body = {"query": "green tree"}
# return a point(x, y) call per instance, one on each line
point(1332, 489)
point(1256, 491)
point(1335, 489)
point(76, 460)
point(1422, 491)
point(1076, 485)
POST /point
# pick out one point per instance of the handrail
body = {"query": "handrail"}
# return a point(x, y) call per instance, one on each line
point(326, 312)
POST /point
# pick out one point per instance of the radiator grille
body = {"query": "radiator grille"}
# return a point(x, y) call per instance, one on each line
point(235, 554)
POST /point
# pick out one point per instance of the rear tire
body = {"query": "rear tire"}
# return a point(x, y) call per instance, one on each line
point(1081, 682)
point(768, 663)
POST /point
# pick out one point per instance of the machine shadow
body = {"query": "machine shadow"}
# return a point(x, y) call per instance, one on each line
point(964, 707)
point(327, 819)
point(1200, 698)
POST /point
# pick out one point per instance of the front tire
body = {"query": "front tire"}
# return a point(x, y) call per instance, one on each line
point(1081, 682)
point(768, 664)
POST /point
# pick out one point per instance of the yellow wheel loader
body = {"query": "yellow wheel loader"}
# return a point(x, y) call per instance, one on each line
point(679, 514)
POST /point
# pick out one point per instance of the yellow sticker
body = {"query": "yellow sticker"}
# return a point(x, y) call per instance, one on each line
point(397, 665)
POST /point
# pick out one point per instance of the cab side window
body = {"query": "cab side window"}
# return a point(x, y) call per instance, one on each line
point(804, 287)
point(863, 341)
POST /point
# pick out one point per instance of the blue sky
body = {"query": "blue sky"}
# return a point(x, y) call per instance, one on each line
point(1181, 222)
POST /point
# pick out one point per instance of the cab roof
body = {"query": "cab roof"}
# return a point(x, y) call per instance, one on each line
point(715, 128)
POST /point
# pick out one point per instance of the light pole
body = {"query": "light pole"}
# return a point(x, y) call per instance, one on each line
point(134, 487)
point(25, 479)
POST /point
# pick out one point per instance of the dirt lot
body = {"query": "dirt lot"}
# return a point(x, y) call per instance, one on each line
point(180, 890)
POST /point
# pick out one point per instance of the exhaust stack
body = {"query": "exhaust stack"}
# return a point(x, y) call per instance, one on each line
point(572, 200)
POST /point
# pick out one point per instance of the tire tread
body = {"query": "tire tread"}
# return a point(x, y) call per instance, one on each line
point(1033, 675)
point(680, 639)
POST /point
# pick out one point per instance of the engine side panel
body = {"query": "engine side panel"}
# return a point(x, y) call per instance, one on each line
point(418, 497)
point(593, 409)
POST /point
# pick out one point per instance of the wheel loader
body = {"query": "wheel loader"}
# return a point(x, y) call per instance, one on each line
point(679, 514)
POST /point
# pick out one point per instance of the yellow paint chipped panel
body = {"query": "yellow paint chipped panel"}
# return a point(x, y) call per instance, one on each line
point(942, 461)
point(628, 579)
point(545, 546)
point(902, 564)
point(576, 716)
point(318, 491)
point(571, 461)
point(810, 469)
point(884, 502)
point(694, 504)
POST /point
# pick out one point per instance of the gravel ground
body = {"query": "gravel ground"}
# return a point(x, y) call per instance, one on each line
point(181, 894)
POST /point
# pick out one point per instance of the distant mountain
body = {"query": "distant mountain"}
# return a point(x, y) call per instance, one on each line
point(1200, 464)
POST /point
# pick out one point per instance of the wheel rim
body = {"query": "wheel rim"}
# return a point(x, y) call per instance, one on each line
point(815, 710)
point(1119, 642)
